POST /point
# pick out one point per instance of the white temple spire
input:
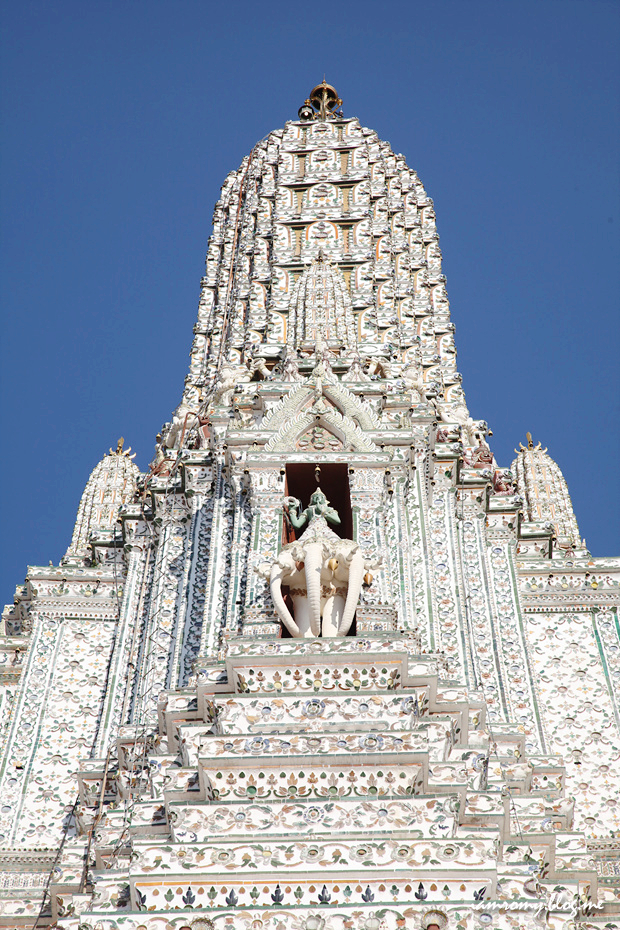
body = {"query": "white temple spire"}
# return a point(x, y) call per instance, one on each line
point(112, 483)
point(320, 674)
point(543, 488)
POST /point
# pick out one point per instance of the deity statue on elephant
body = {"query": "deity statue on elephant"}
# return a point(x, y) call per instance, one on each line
point(323, 572)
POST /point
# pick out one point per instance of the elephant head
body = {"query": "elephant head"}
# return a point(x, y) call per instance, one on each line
point(324, 577)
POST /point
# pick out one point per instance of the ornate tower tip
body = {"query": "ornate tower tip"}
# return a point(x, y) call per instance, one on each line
point(120, 449)
point(530, 445)
point(322, 103)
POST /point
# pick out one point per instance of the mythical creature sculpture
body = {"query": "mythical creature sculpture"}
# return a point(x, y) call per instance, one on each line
point(183, 420)
point(503, 482)
point(356, 370)
point(288, 368)
point(323, 572)
point(229, 376)
point(258, 369)
point(480, 457)
point(456, 412)
point(413, 380)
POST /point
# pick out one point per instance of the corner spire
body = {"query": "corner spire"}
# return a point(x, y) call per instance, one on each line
point(111, 485)
point(545, 495)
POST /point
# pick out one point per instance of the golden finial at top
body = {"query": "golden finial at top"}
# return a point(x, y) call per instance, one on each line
point(322, 103)
point(120, 450)
point(530, 445)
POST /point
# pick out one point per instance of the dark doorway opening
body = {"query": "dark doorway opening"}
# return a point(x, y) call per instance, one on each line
point(334, 482)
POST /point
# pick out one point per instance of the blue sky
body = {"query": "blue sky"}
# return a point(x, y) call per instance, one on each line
point(122, 121)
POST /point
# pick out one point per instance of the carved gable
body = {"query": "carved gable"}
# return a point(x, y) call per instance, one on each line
point(334, 396)
point(331, 421)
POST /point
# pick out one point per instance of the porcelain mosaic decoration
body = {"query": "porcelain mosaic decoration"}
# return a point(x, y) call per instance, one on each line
point(327, 665)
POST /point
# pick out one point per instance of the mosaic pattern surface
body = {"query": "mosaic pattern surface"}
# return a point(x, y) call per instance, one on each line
point(171, 758)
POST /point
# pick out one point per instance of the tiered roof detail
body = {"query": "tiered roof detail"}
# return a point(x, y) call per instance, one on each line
point(325, 204)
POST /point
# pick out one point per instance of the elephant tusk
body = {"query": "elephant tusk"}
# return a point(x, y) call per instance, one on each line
point(275, 586)
point(356, 571)
point(313, 564)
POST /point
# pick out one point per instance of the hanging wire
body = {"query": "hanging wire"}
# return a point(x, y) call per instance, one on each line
point(139, 763)
point(234, 255)
point(390, 237)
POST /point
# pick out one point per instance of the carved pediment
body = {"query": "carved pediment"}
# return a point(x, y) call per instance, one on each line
point(334, 395)
point(331, 421)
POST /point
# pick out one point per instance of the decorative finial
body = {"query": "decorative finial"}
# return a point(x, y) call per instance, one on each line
point(530, 445)
point(120, 450)
point(322, 103)
point(317, 474)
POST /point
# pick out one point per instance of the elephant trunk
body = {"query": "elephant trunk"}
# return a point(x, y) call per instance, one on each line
point(313, 562)
point(275, 586)
point(356, 577)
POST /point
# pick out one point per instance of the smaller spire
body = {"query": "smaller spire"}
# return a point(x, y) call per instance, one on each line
point(111, 485)
point(545, 495)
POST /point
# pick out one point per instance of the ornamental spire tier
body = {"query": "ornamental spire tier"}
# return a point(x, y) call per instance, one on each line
point(328, 664)
point(324, 230)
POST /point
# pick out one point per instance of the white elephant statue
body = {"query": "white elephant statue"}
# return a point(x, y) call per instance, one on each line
point(323, 572)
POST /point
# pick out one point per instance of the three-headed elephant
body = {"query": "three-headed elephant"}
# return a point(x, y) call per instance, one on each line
point(324, 579)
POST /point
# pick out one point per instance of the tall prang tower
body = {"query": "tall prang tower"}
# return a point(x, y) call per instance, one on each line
point(327, 665)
